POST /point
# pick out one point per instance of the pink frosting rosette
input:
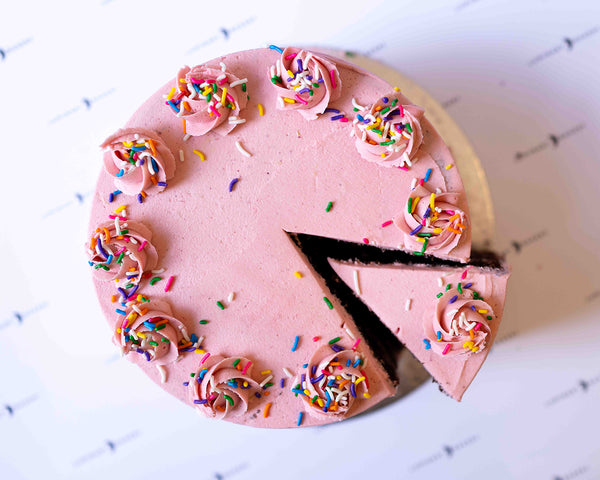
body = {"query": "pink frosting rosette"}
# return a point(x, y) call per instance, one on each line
point(432, 230)
point(151, 330)
point(332, 382)
point(459, 326)
point(139, 160)
point(209, 98)
point(305, 82)
point(389, 133)
point(121, 249)
point(223, 386)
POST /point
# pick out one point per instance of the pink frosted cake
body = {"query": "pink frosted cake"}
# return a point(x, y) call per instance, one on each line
point(220, 203)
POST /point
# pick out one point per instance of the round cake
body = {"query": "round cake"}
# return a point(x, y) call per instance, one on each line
point(218, 228)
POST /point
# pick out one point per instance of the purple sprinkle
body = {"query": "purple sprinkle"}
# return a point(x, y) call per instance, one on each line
point(473, 307)
point(147, 356)
point(161, 184)
point(416, 230)
point(427, 212)
point(337, 117)
point(200, 402)
point(122, 292)
point(190, 349)
point(332, 110)
point(185, 384)
point(309, 77)
point(393, 113)
point(300, 68)
point(304, 90)
point(140, 198)
point(336, 348)
point(320, 80)
point(289, 79)
point(133, 290)
point(453, 299)
point(468, 285)
point(257, 395)
point(102, 251)
point(232, 183)
point(302, 378)
point(385, 99)
point(142, 161)
point(282, 382)
point(353, 390)
point(367, 121)
point(313, 370)
point(317, 379)
point(111, 197)
point(139, 350)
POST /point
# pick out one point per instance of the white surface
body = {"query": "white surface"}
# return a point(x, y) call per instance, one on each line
point(507, 76)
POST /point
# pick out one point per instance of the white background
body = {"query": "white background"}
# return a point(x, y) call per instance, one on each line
point(521, 79)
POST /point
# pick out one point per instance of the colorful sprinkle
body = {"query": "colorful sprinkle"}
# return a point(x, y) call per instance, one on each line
point(169, 283)
point(446, 348)
point(242, 150)
point(261, 110)
point(232, 184)
point(334, 340)
point(197, 152)
point(385, 224)
point(328, 207)
point(299, 422)
point(267, 408)
point(154, 280)
point(328, 302)
point(427, 344)
point(275, 47)
point(295, 346)
point(298, 274)
point(220, 305)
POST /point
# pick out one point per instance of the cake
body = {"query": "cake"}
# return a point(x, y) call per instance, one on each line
point(222, 195)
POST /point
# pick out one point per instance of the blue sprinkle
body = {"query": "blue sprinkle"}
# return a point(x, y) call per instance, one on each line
point(305, 365)
point(91, 263)
point(161, 184)
point(150, 325)
point(337, 117)
point(385, 99)
point(202, 373)
point(275, 47)
point(196, 87)
point(427, 175)
point(127, 330)
point(173, 106)
point(126, 338)
point(300, 415)
point(360, 117)
point(231, 185)
point(357, 363)
point(439, 335)
point(193, 338)
point(154, 164)
point(121, 312)
point(427, 344)
point(120, 173)
point(348, 362)
point(328, 403)
point(111, 197)
point(109, 259)
point(295, 346)
point(297, 390)
point(138, 149)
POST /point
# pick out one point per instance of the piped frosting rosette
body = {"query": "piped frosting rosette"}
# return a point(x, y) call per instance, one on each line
point(208, 98)
point(223, 386)
point(305, 82)
point(332, 382)
point(388, 133)
point(460, 325)
point(121, 249)
point(432, 222)
point(151, 330)
point(139, 160)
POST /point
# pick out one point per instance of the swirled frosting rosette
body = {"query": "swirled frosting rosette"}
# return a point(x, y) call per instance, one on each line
point(121, 249)
point(139, 160)
point(223, 386)
point(332, 382)
point(388, 133)
point(460, 324)
point(151, 330)
point(305, 82)
point(432, 222)
point(208, 98)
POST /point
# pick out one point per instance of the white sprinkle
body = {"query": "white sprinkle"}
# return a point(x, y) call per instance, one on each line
point(160, 270)
point(238, 82)
point(117, 226)
point(440, 281)
point(265, 381)
point(357, 283)
point(438, 190)
point(356, 105)
point(181, 157)
point(133, 240)
point(199, 342)
point(241, 149)
point(350, 333)
point(231, 297)
point(408, 304)
point(287, 373)
point(221, 77)
point(236, 121)
point(186, 137)
point(280, 102)
point(163, 373)
point(223, 67)
point(184, 332)
point(413, 184)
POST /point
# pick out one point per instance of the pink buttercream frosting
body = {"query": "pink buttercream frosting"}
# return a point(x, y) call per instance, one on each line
point(141, 331)
point(139, 160)
point(219, 389)
point(445, 223)
point(391, 138)
point(121, 236)
point(455, 317)
point(199, 99)
point(337, 382)
point(305, 82)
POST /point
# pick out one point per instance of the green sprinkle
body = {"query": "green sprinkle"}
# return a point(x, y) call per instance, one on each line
point(328, 303)
point(208, 97)
point(165, 340)
point(410, 200)
point(229, 399)
point(203, 322)
point(154, 280)
point(120, 257)
point(424, 235)
point(311, 93)
point(220, 305)
point(214, 85)
point(102, 266)
point(389, 142)
point(489, 317)
point(377, 131)
point(123, 232)
point(408, 127)
point(314, 399)
point(269, 384)
point(329, 205)
point(419, 254)
point(439, 295)
point(129, 285)
point(154, 344)
point(243, 87)
point(384, 110)
point(349, 54)
point(274, 81)
point(236, 362)
point(160, 327)
point(355, 109)
point(424, 246)
point(192, 375)
point(334, 340)
point(316, 85)
point(460, 290)
point(394, 102)
point(475, 295)
point(448, 287)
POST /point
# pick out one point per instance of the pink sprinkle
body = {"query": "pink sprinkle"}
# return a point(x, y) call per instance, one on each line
point(142, 246)
point(290, 56)
point(401, 110)
point(122, 250)
point(246, 367)
point(340, 367)
point(300, 100)
point(366, 240)
point(316, 339)
point(332, 75)
point(212, 396)
point(476, 327)
point(222, 81)
point(424, 222)
point(344, 120)
point(196, 81)
point(212, 109)
point(446, 348)
point(464, 274)
point(356, 344)
point(135, 156)
point(204, 358)
point(230, 98)
point(123, 219)
point(404, 168)
point(169, 283)
point(421, 182)
point(325, 372)
point(124, 324)
point(450, 212)
point(125, 238)
point(385, 224)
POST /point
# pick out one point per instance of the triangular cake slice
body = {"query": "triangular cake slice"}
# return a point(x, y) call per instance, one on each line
point(447, 316)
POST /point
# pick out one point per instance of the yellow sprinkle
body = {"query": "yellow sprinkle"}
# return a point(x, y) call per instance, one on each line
point(265, 372)
point(396, 89)
point(200, 154)
point(414, 204)
point(474, 349)
point(482, 311)
point(116, 280)
point(432, 201)
point(267, 408)
point(261, 110)
point(141, 335)
point(289, 100)
point(383, 155)
point(171, 93)
point(421, 240)
point(181, 80)
point(128, 144)
point(121, 208)
point(289, 72)
point(245, 384)
point(119, 330)
point(468, 344)
point(320, 402)
point(358, 380)
point(139, 297)
point(438, 230)
point(207, 90)
point(224, 96)
point(200, 351)
point(367, 395)
point(307, 392)
point(298, 274)
point(448, 167)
